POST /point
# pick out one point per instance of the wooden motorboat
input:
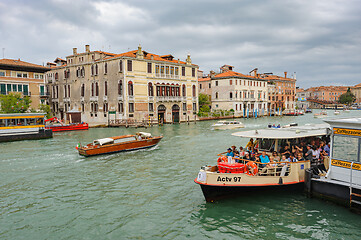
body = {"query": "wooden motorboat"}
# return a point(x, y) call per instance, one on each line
point(123, 143)
point(228, 178)
point(59, 126)
point(228, 125)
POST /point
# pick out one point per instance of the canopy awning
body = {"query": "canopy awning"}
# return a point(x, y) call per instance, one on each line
point(286, 133)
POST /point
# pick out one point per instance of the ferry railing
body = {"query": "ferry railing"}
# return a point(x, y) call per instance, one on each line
point(261, 165)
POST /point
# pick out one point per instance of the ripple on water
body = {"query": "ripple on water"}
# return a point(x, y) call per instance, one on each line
point(48, 191)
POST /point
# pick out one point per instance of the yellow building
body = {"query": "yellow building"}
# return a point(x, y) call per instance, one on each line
point(135, 85)
point(25, 78)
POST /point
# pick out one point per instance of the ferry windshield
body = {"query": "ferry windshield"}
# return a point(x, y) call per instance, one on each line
point(345, 148)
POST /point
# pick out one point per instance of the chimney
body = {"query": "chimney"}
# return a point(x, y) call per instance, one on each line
point(212, 73)
point(87, 49)
point(189, 61)
point(285, 74)
point(74, 51)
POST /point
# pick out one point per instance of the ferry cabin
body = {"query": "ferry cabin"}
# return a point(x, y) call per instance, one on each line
point(22, 126)
point(342, 182)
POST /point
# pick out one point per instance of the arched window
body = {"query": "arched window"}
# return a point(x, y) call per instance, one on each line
point(82, 71)
point(96, 89)
point(158, 90)
point(216, 95)
point(194, 90)
point(120, 66)
point(120, 88)
point(130, 88)
point(56, 76)
point(105, 88)
point(92, 90)
point(96, 69)
point(184, 90)
point(82, 90)
point(150, 89)
point(92, 69)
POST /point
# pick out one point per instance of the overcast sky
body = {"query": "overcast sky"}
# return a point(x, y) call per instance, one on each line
point(320, 40)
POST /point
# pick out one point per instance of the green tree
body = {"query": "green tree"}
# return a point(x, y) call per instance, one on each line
point(347, 98)
point(203, 99)
point(14, 103)
point(205, 108)
point(46, 109)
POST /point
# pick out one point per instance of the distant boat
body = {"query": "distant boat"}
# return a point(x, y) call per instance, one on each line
point(336, 112)
point(60, 127)
point(308, 110)
point(123, 143)
point(228, 125)
point(322, 114)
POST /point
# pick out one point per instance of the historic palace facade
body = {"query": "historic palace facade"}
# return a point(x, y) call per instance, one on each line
point(247, 95)
point(135, 85)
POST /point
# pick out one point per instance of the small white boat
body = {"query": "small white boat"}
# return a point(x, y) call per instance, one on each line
point(228, 125)
point(322, 114)
point(336, 112)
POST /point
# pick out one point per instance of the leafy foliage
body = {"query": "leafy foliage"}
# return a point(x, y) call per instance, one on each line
point(46, 109)
point(14, 103)
point(203, 99)
point(347, 98)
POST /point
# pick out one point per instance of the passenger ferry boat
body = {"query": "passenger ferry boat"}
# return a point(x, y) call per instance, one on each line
point(228, 179)
point(23, 126)
point(123, 143)
point(228, 125)
point(342, 183)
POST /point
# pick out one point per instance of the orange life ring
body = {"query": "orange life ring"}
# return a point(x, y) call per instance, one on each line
point(222, 159)
point(251, 168)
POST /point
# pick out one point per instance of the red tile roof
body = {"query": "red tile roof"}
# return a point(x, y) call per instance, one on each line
point(19, 63)
point(148, 56)
point(204, 79)
point(231, 74)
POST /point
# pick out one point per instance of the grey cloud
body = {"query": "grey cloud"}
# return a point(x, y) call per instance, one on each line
point(320, 40)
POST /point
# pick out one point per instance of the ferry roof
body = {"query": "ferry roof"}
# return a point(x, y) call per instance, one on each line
point(354, 123)
point(17, 115)
point(307, 130)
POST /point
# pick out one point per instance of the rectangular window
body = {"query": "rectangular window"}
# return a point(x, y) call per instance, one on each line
point(42, 91)
point(8, 87)
point(194, 107)
point(25, 75)
point(230, 82)
point(2, 89)
point(183, 71)
point(120, 66)
point(167, 70)
point(130, 65)
point(131, 107)
point(157, 69)
point(15, 87)
point(2, 74)
point(26, 90)
point(340, 143)
point(36, 76)
point(193, 72)
point(200, 86)
point(176, 71)
point(216, 83)
point(19, 75)
point(172, 71)
point(20, 88)
point(149, 67)
point(150, 106)
point(185, 107)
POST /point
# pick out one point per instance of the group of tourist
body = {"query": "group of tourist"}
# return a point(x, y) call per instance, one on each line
point(314, 150)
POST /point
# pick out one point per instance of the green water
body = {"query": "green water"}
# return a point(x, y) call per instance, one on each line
point(48, 191)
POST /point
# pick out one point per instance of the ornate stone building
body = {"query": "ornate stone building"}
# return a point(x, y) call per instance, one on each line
point(135, 85)
point(245, 94)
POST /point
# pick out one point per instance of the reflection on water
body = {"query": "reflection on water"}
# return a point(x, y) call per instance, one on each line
point(48, 191)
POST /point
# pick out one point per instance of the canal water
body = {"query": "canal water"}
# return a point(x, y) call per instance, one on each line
point(48, 191)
